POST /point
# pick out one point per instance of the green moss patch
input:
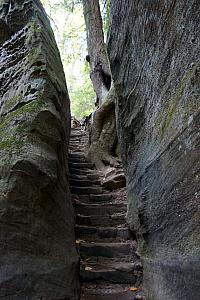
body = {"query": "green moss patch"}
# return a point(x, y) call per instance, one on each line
point(175, 99)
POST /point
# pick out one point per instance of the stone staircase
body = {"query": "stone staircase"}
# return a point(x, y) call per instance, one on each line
point(109, 266)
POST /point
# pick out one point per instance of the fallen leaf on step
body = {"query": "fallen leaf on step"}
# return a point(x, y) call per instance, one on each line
point(88, 268)
point(133, 289)
point(80, 241)
point(89, 258)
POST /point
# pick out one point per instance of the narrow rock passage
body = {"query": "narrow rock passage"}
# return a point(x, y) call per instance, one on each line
point(109, 264)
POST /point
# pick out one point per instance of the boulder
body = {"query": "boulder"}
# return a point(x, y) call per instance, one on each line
point(114, 182)
point(38, 259)
point(114, 178)
point(154, 53)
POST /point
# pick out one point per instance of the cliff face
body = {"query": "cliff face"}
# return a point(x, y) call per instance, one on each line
point(37, 256)
point(154, 52)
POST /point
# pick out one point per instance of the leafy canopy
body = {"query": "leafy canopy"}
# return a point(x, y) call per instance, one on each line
point(67, 21)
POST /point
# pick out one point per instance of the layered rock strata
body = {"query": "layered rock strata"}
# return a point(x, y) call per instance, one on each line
point(38, 259)
point(154, 53)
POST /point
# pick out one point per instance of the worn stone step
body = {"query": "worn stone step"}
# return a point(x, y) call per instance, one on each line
point(77, 144)
point(99, 220)
point(80, 165)
point(120, 296)
point(130, 273)
point(79, 134)
point(85, 190)
point(77, 140)
point(95, 198)
point(99, 208)
point(93, 176)
point(92, 233)
point(77, 160)
point(85, 182)
point(78, 155)
point(80, 171)
point(108, 250)
point(109, 291)
point(77, 147)
point(88, 176)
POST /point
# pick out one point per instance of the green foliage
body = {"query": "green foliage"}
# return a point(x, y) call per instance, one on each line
point(82, 96)
point(69, 28)
point(82, 101)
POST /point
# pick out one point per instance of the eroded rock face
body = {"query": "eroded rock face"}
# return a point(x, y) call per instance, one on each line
point(38, 259)
point(154, 52)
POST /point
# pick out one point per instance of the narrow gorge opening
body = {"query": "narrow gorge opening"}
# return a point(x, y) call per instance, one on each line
point(72, 227)
point(110, 266)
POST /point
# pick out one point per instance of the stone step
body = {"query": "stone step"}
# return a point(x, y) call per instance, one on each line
point(109, 291)
point(92, 199)
point(108, 250)
point(80, 172)
point(77, 143)
point(120, 296)
point(84, 182)
point(80, 165)
point(77, 160)
point(99, 220)
point(85, 190)
point(91, 177)
point(79, 134)
point(100, 208)
point(78, 138)
point(95, 198)
point(92, 233)
point(130, 273)
point(78, 155)
point(77, 148)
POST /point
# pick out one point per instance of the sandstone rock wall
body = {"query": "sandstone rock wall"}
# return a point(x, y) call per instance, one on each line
point(38, 259)
point(154, 49)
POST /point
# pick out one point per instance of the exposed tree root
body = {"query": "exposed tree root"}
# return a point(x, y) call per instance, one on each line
point(103, 134)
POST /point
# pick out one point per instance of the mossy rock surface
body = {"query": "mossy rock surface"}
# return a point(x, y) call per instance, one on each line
point(155, 62)
point(38, 255)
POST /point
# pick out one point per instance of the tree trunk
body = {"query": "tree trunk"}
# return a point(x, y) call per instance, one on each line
point(103, 136)
point(103, 131)
point(97, 54)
